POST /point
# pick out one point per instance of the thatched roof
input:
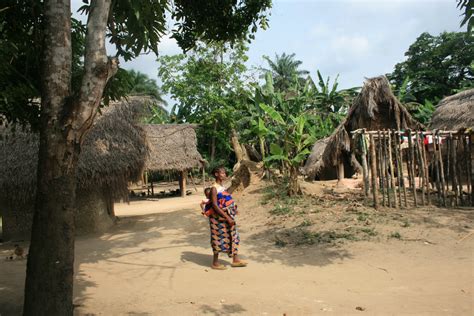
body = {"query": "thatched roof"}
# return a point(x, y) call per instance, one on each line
point(455, 112)
point(172, 147)
point(112, 154)
point(375, 108)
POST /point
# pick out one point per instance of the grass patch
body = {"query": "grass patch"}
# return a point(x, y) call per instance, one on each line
point(362, 217)
point(395, 235)
point(405, 223)
point(302, 236)
point(305, 223)
point(369, 231)
point(281, 210)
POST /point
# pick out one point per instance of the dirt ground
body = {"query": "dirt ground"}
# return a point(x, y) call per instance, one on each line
point(326, 254)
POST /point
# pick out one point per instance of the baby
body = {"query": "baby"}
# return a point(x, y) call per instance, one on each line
point(206, 207)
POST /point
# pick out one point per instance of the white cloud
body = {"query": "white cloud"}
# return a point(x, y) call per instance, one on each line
point(358, 45)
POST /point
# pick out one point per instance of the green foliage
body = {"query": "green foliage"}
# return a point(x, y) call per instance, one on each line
point(209, 89)
point(395, 235)
point(284, 69)
point(436, 66)
point(468, 7)
point(133, 27)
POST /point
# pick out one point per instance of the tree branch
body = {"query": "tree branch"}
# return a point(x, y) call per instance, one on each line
point(98, 69)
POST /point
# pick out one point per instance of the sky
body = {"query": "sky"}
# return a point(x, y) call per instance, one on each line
point(354, 39)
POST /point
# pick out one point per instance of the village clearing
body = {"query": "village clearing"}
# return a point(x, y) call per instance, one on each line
point(328, 253)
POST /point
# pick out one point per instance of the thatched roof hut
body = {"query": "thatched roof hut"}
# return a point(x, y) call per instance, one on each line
point(375, 108)
point(113, 154)
point(455, 112)
point(173, 147)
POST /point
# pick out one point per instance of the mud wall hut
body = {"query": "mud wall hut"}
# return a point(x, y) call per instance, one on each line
point(113, 154)
point(173, 147)
point(455, 112)
point(375, 108)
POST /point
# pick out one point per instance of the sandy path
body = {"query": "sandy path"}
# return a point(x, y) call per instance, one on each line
point(157, 264)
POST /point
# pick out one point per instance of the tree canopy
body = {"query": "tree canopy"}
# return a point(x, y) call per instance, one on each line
point(436, 66)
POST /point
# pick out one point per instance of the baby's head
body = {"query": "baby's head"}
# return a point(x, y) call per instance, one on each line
point(207, 192)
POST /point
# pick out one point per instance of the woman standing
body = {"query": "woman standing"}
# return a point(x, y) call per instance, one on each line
point(224, 235)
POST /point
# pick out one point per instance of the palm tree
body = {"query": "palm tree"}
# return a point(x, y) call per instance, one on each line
point(284, 69)
point(141, 84)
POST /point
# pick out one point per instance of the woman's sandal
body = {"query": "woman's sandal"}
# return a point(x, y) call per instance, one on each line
point(238, 264)
point(219, 267)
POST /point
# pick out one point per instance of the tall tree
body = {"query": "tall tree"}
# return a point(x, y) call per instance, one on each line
point(208, 87)
point(283, 69)
point(67, 110)
point(436, 66)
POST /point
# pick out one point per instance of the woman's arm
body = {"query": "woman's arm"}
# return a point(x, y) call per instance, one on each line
point(218, 210)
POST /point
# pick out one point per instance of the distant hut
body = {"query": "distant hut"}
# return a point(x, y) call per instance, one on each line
point(113, 154)
point(173, 147)
point(375, 108)
point(455, 112)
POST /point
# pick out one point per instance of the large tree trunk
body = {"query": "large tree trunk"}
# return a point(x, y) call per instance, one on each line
point(64, 122)
point(236, 145)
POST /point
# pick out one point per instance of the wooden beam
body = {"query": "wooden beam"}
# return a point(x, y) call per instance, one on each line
point(182, 182)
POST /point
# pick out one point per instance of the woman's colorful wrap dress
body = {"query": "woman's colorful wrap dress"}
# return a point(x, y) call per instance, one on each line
point(224, 238)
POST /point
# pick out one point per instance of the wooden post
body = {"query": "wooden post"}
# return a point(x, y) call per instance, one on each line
point(373, 170)
point(459, 170)
point(412, 169)
point(426, 171)
point(365, 170)
point(454, 169)
point(380, 167)
point(467, 159)
point(182, 182)
point(340, 170)
point(471, 155)
point(441, 168)
point(396, 143)
point(385, 166)
point(392, 174)
point(421, 167)
point(402, 178)
point(152, 192)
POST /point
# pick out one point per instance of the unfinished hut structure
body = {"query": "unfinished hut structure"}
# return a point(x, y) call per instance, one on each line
point(375, 108)
point(113, 154)
point(173, 148)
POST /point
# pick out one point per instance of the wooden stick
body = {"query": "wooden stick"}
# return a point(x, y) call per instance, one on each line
point(402, 178)
point(412, 170)
point(421, 167)
point(441, 168)
point(459, 172)
point(385, 167)
point(396, 141)
point(392, 177)
point(436, 159)
point(365, 171)
point(381, 169)
point(454, 169)
point(471, 155)
point(448, 169)
point(373, 170)
point(467, 159)
point(426, 171)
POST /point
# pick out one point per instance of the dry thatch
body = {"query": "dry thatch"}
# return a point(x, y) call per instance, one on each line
point(172, 147)
point(455, 112)
point(112, 154)
point(375, 108)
